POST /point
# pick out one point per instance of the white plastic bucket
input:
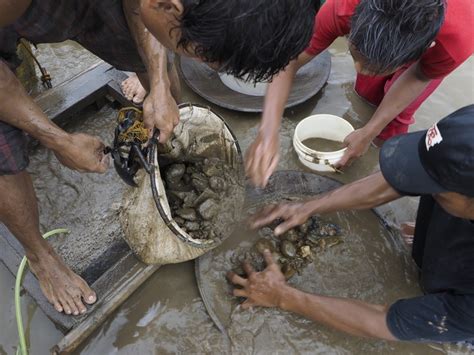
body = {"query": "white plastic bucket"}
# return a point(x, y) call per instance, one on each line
point(321, 126)
point(243, 87)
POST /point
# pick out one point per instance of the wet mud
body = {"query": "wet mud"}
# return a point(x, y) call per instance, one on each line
point(166, 315)
point(198, 192)
point(294, 250)
point(365, 266)
point(323, 145)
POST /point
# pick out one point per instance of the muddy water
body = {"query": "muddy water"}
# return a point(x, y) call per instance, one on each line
point(323, 145)
point(166, 315)
point(384, 276)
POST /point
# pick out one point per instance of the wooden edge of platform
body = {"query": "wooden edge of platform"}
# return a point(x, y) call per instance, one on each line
point(82, 90)
point(133, 279)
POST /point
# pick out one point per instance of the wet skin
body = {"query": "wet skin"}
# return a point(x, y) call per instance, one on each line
point(134, 90)
point(263, 155)
point(269, 288)
point(19, 210)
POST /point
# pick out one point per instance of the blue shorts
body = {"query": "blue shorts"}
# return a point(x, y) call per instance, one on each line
point(440, 318)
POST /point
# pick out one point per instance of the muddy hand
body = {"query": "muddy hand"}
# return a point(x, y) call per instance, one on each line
point(260, 288)
point(292, 214)
point(262, 158)
point(83, 153)
point(160, 112)
point(357, 144)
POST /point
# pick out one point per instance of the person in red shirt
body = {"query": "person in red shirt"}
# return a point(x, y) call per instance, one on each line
point(402, 51)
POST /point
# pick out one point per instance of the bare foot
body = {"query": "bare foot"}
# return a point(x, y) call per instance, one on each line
point(133, 90)
point(408, 232)
point(65, 290)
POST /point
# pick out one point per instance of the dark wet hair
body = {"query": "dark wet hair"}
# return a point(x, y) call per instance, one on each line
point(257, 38)
point(391, 33)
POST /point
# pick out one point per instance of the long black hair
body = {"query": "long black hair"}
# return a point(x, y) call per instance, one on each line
point(253, 38)
point(391, 33)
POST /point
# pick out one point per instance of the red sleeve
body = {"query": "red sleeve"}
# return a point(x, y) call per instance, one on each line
point(437, 63)
point(327, 28)
point(454, 42)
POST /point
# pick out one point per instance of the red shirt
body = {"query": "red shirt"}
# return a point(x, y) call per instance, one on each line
point(454, 42)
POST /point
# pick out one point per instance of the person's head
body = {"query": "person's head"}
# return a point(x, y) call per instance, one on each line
point(252, 38)
point(437, 162)
point(387, 34)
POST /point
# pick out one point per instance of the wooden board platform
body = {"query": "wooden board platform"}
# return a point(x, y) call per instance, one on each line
point(121, 273)
point(82, 90)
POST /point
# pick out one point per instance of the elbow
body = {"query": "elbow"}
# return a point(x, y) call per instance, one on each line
point(420, 75)
point(378, 327)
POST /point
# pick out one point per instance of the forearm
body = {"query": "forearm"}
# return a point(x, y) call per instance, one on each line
point(19, 110)
point(278, 93)
point(366, 193)
point(276, 97)
point(403, 92)
point(152, 52)
point(347, 315)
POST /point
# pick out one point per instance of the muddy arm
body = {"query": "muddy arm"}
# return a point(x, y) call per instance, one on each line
point(370, 192)
point(366, 193)
point(76, 151)
point(278, 93)
point(347, 315)
point(160, 110)
point(152, 52)
point(269, 289)
point(19, 110)
point(262, 156)
point(408, 87)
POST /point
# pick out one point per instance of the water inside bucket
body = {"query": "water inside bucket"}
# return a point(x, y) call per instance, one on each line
point(323, 145)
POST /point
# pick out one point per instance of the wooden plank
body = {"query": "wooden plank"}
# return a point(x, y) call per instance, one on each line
point(105, 286)
point(9, 254)
point(82, 90)
point(137, 274)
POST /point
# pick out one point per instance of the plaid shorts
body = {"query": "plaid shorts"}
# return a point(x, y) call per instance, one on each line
point(99, 26)
point(13, 150)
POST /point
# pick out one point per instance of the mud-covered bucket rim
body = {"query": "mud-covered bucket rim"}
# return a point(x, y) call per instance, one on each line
point(159, 193)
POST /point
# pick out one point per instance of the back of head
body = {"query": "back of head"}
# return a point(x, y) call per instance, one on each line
point(391, 33)
point(252, 38)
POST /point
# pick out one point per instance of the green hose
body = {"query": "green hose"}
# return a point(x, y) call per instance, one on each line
point(22, 348)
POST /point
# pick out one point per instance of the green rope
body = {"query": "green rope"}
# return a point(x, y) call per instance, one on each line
point(22, 348)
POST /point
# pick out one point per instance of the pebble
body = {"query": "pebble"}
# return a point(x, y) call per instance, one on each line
point(192, 226)
point(199, 182)
point(187, 213)
point(174, 173)
point(288, 249)
point(218, 184)
point(208, 209)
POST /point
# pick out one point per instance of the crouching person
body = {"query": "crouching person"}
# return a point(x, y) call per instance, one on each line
point(437, 165)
